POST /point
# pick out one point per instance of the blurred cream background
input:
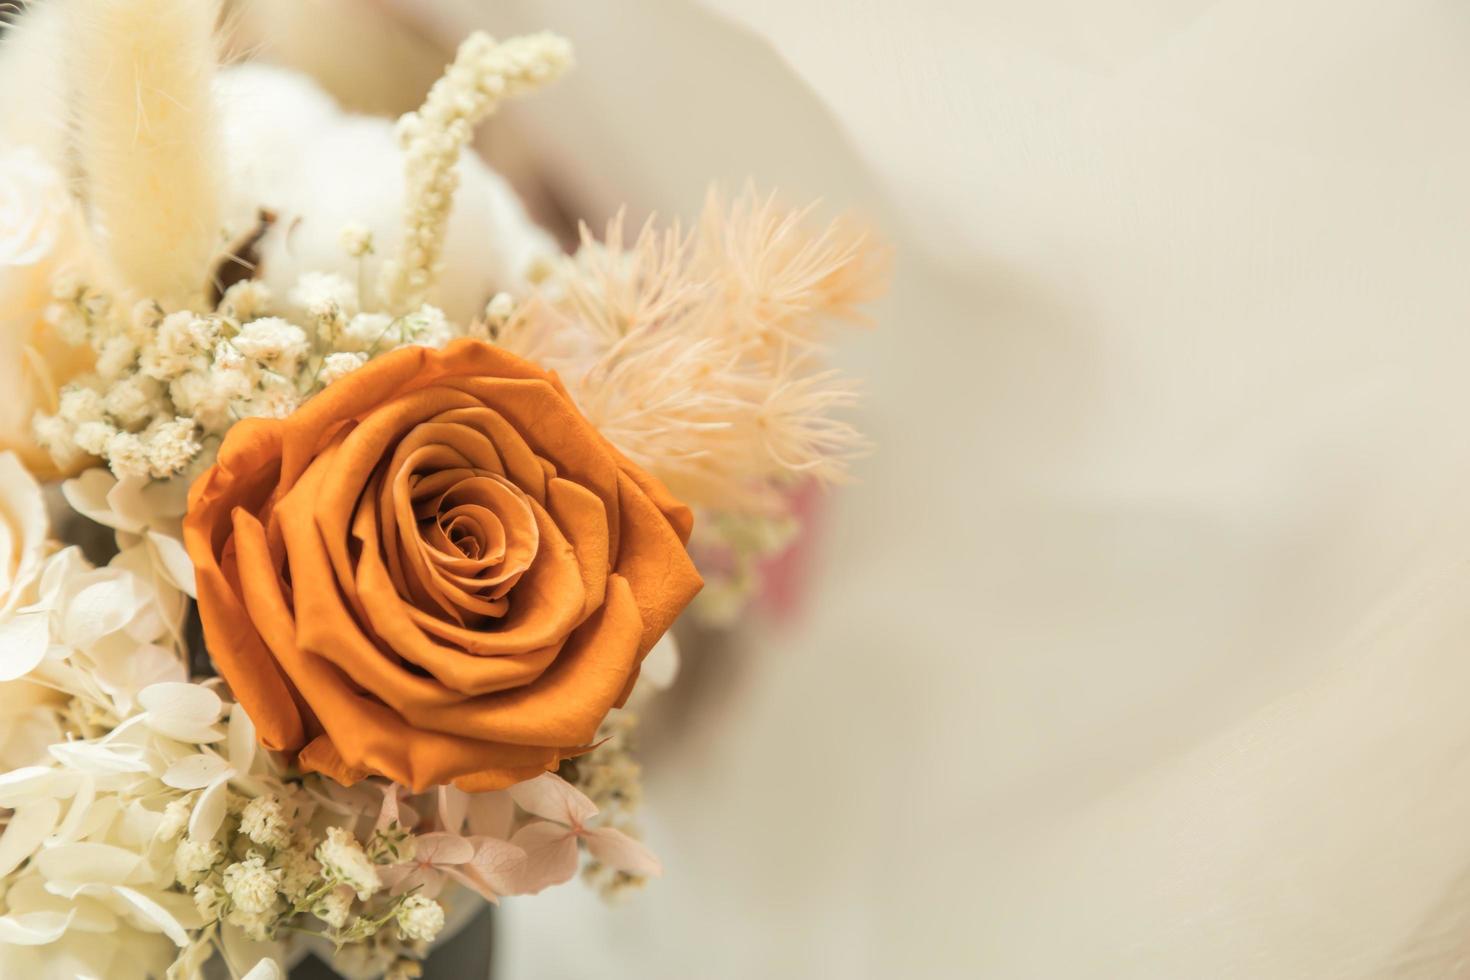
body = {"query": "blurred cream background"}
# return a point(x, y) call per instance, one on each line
point(1140, 648)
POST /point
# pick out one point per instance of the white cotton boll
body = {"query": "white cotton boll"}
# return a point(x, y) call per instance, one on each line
point(322, 171)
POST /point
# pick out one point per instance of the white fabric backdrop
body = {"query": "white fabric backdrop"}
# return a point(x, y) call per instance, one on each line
point(1141, 649)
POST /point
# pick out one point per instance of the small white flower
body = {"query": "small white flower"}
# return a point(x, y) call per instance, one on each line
point(179, 344)
point(429, 327)
point(420, 918)
point(357, 240)
point(208, 899)
point(276, 343)
point(264, 822)
point(92, 437)
point(134, 400)
point(246, 300)
point(251, 885)
point(127, 455)
point(255, 925)
point(80, 404)
point(194, 859)
point(343, 858)
point(500, 307)
point(171, 445)
point(369, 331)
point(321, 293)
point(274, 398)
point(339, 365)
point(335, 907)
point(299, 873)
point(175, 819)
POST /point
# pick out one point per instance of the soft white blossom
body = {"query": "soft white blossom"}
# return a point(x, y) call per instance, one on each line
point(420, 918)
point(334, 908)
point(264, 821)
point(344, 860)
point(251, 885)
point(194, 859)
point(338, 366)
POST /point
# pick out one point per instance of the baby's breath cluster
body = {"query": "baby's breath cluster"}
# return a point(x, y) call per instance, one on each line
point(167, 386)
point(275, 868)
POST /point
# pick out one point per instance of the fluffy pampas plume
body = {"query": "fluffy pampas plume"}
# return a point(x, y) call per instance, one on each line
point(701, 356)
point(139, 76)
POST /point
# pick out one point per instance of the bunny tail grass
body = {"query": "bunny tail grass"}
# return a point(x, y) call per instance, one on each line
point(139, 74)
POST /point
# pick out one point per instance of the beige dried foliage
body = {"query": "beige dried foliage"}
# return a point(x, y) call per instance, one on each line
point(701, 355)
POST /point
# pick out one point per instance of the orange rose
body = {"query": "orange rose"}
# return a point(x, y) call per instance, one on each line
point(435, 570)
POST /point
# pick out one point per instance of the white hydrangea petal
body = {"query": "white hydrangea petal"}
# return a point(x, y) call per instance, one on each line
point(103, 607)
point(33, 928)
point(92, 916)
point(88, 863)
point(125, 676)
point(98, 816)
point(197, 771)
point(178, 703)
point(129, 506)
point(209, 811)
point(89, 495)
point(60, 572)
point(240, 948)
point(241, 740)
point(19, 786)
point(24, 638)
point(266, 969)
point(173, 560)
point(70, 829)
point(29, 825)
point(96, 757)
point(25, 516)
point(150, 915)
